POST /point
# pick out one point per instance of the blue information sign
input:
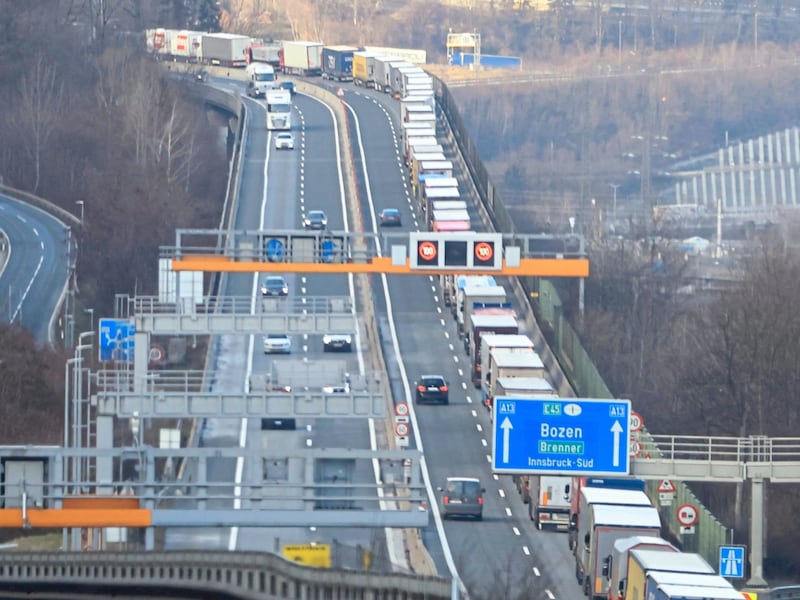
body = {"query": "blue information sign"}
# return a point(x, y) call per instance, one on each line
point(577, 436)
point(116, 339)
point(274, 249)
point(329, 249)
point(731, 561)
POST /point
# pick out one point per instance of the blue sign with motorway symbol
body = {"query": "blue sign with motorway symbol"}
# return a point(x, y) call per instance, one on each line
point(116, 339)
point(576, 436)
point(731, 561)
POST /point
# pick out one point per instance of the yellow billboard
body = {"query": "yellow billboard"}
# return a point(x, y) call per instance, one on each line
point(309, 555)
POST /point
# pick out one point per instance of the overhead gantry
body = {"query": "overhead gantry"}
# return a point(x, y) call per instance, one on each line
point(414, 253)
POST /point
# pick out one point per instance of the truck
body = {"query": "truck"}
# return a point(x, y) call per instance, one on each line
point(422, 95)
point(490, 341)
point(225, 49)
point(688, 592)
point(492, 319)
point(422, 135)
point(364, 68)
point(460, 282)
point(398, 74)
point(547, 497)
point(509, 362)
point(337, 62)
point(441, 198)
point(395, 69)
point(417, 158)
point(383, 71)
point(643, 561)
point(432, 181)
point(598, 491)
point(712, 585)
point(428, 166)
point(416, 79)
point(523, 387)
point(606, 515)
point(260, 79)
point(615, 566)
point(408, 105)
point(302, 58)
point(474, 297)
point(279, 110)
point(186, 45)
point(265, 53)
point(410, 55)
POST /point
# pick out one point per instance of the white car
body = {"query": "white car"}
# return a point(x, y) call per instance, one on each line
point(277, 343)
point(284, 141)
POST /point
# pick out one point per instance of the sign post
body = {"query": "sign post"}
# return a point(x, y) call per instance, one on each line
point(578, 436)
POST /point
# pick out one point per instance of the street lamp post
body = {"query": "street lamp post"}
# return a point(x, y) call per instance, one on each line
point(90, 312)
point(80, 203)
point(614, 187)
point(619, 42)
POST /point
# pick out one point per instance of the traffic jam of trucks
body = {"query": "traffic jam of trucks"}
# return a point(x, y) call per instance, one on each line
point(613, 529)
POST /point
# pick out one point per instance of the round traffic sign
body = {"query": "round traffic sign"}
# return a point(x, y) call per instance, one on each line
point(687, 515)
point(401, 429)
point(484, 252)
point(156, 353)
point(636, 422)
point(634, 448)
point(274, 250)
point(401, 409)
point(427, 250)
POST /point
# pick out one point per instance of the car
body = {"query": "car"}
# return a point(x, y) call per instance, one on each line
point(284, 141)
point(390, 216)
point(432, 388)
point(288, 86)
point(337, 389)
point(462, 497)
point(315, 219)
point(277, 343)
point(337, 342)
point(274, 285)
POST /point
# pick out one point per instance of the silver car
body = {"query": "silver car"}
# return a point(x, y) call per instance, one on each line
point(277, 343)
point(462, 497)
point(284, 141)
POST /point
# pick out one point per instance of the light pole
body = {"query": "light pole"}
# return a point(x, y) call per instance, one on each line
point(614, 187)
point(80, 203)
point(619, 42)
point(90, 312)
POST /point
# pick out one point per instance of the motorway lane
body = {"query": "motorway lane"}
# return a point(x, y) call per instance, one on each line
point(505, 547)
point(36, 274)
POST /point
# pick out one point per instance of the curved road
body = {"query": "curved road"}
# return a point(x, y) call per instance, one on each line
point(35, 276)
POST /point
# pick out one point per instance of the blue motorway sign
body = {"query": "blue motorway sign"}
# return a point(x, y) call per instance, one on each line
point(731, 561)
point(576, 436)
point(274, 250)
point(116, 339)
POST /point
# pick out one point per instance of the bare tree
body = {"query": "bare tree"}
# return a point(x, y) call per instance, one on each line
point(41, 100)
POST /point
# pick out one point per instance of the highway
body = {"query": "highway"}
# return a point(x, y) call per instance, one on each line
point(505, 548)
point(503, 556)
point(35, 277)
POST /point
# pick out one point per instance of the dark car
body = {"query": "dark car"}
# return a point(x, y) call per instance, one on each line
point(315, 219)
point(337, 342)
point(462, 497)
point(288, 86)
point(432, 388)
point(274, 285)
point(390, 216)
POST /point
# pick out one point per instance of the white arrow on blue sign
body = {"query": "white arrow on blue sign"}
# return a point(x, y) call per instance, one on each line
point(731, 561)
point(116, 339)
point(577, 436)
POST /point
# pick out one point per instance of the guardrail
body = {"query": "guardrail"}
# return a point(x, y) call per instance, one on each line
point(245, 575)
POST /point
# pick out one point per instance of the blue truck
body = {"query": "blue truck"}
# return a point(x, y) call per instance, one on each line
point(337, 62)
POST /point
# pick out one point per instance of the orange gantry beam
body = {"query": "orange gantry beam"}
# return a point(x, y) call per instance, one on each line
point(528, 267)
point(84, 511)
